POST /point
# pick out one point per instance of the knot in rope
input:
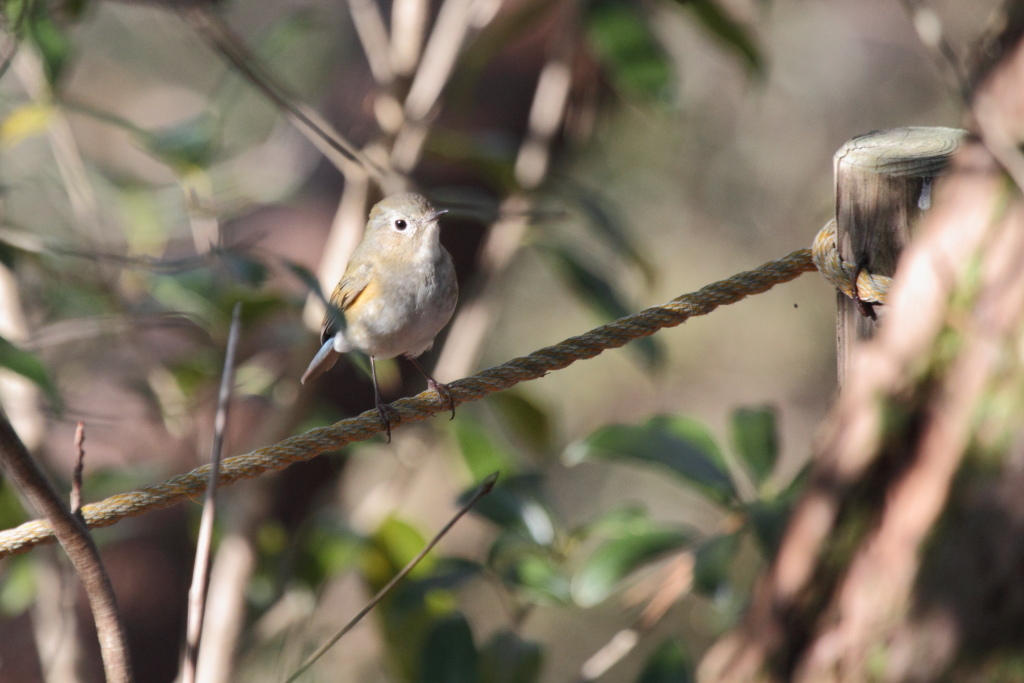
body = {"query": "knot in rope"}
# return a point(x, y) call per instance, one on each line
point(870, 288)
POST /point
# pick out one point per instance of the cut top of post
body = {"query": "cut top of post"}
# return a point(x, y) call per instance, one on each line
point(917, 151)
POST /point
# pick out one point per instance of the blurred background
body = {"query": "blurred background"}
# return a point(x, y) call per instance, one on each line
point(596, 157)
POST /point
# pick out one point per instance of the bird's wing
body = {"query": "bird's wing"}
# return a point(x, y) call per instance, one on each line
point(352, 285)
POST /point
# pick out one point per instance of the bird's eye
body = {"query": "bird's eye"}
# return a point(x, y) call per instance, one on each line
point(400, 224)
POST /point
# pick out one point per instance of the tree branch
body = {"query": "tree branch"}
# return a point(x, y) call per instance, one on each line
point(78, 544)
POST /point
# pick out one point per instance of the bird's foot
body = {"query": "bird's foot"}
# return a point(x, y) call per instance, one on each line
point(385, 416)
point(444, 394)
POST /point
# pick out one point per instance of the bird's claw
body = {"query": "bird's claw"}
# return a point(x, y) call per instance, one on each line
point(385, 417)
point(444, 394)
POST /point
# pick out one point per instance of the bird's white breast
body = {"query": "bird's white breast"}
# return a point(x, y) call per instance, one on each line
point(410, 308)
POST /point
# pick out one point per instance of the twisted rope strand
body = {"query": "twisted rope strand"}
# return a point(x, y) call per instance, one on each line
point(872, 288)
point(336, 436)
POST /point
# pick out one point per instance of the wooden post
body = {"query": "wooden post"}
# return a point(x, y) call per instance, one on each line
point(883, 184)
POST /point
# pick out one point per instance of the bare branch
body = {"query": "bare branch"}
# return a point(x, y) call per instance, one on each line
point(408, 26)
point(76, 475)
point(78, 544)
point(546, 115)
point(373, 36)
point(446, 40)
point(455, 20)
point(201, 571)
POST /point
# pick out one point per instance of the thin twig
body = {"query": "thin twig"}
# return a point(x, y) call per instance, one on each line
point(201, 571)
point(485, 488)
point(78, 544)
point(76, 474)
point(343, 154)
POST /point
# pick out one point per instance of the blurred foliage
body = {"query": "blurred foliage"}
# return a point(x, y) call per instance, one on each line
point(28, 366)
point(539, 562)
point(35, 22)
point(668, 664)
point(621, 35)
point(730, 33)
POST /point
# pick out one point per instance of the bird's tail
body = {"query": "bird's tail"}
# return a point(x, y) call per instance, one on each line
point(323, 361)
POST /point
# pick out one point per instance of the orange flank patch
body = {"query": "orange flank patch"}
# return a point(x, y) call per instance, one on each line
point(361, 298)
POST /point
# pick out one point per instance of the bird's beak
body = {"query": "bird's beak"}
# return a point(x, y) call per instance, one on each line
point(437, 214)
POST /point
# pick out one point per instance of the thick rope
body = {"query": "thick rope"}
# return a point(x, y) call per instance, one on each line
point(872, 288)
point(336, 436)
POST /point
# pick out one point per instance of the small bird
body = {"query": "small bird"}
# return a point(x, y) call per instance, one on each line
point(398, 291)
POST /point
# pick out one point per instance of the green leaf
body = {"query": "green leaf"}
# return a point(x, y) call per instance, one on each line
point(769, 517)
point(14, 13)
point(28, 366)
point(326, 550)
point(480, 452)
point(680, 444)
point(8, 254)
point(625, 44)
point(12, 513)
point(449, 655)
point(187, 145)
point(49, 39)
point(394, 544)
point(757, 443)
point(617, 522)
point(507, 658)
point(530, 567)
point(729, 32)
point(515, 504)
point(712, 562)
point(616, 559)
point(590, 285)
point(248, 270)
point(524, 418)
point(18, 587)
point(597, 292)
point(608, 224)
point(410, 612)
point(447, 574)
point(669, 663)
